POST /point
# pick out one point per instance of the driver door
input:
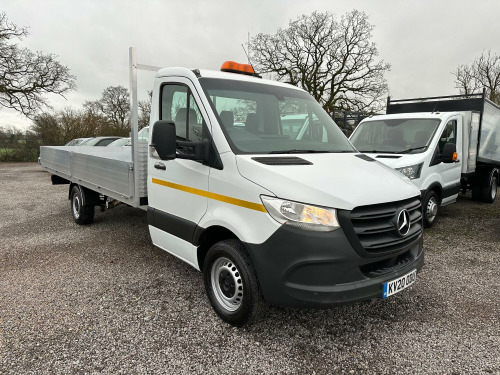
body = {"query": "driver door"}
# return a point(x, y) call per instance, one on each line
point(450, 172)
point(176, 202)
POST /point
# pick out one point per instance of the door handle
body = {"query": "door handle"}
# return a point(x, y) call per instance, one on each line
point(160, 166)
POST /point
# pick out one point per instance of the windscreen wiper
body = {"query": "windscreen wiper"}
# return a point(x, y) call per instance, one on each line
point(412, 149)
point(295, 151)
point(377, 152)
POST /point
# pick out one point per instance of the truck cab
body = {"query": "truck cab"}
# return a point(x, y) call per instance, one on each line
point(268, 212)
point(425, 147)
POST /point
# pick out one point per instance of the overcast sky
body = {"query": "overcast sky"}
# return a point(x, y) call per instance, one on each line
point(424, 41)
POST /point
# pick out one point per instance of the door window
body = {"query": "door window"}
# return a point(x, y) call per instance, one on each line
point(449, 135)
point(179, 105)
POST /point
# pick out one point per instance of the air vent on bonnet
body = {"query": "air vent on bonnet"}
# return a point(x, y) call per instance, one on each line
point(282, 160)
point(388, 156)
point(364, 157)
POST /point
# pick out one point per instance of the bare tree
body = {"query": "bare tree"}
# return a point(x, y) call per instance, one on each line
point(483, 72)
point(115, 106)
point(145, 110)
point(47, 129)
point(335, 61)
point(26, 76)
point(93, 121)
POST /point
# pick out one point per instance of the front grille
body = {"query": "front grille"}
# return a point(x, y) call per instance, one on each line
point(375, 225)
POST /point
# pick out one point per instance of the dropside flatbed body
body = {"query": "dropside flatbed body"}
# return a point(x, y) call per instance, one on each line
point(107, 170)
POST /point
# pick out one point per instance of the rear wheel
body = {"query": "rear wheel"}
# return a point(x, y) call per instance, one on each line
point(490, 190)
point(231, 283)
point(82, 214)
point(430, 207)
point(485, 188)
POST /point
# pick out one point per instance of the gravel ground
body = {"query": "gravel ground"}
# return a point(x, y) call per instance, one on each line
point(102, 299)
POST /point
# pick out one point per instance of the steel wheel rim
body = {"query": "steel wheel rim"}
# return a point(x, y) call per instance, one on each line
point(227, 284)
point(431, 210)
point(494, 189)
point(76, 206)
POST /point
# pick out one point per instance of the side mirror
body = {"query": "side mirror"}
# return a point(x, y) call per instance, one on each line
point(163, 139)
point(449, 154)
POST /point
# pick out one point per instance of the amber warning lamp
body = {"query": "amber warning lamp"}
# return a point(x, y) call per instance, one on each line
point(455, 156)
point(234, 67)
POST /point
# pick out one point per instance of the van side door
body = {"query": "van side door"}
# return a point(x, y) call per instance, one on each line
point(175, 187)
point(450, 172)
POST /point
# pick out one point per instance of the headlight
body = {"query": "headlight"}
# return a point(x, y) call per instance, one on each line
point(301, 215)
point(412, 172)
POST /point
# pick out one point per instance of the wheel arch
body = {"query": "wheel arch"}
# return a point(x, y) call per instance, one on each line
point(437, 188)
point(90, 197)
point(205, 238)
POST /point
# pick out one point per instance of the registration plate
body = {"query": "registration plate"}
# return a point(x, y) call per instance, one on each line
point(397, 285)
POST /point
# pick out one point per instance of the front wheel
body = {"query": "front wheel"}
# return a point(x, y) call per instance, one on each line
point(231, 283)
point(430, 206)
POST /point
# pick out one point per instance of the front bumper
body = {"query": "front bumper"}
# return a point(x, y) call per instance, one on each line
point(318, 269)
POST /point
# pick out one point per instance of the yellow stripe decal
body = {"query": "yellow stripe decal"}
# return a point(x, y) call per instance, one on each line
point(207, 194)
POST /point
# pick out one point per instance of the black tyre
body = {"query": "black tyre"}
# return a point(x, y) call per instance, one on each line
point(489, 191)
point(430, 206)
point(82, 214)
point(485, 186)
point(231, 283)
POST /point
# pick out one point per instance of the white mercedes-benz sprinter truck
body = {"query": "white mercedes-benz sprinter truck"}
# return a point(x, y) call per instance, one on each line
point(443, 144)
point(267, 216)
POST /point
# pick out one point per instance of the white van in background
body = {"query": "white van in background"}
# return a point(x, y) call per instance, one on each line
point(443, 144)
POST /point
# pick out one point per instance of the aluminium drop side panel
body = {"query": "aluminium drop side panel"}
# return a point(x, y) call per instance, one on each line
point(106, 170)
point(56, 160)
point(489, 141)
point(104, 173)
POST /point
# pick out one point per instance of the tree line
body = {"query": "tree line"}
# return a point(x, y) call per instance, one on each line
point(110, 115)
point(333, 58)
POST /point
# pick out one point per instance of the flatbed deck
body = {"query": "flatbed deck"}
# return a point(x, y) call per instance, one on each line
point(106, 170)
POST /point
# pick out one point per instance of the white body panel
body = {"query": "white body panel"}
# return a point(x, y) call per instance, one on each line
point(247, 224)
point(174, 245)
point(333, 180)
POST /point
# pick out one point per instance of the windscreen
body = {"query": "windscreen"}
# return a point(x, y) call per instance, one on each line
point(260, 118)
point(394, 135)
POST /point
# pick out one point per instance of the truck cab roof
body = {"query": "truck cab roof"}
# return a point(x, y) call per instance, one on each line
point(185, 72)
point(423, 115)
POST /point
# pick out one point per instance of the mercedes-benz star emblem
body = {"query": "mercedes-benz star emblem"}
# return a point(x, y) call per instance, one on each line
point(403, 223)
